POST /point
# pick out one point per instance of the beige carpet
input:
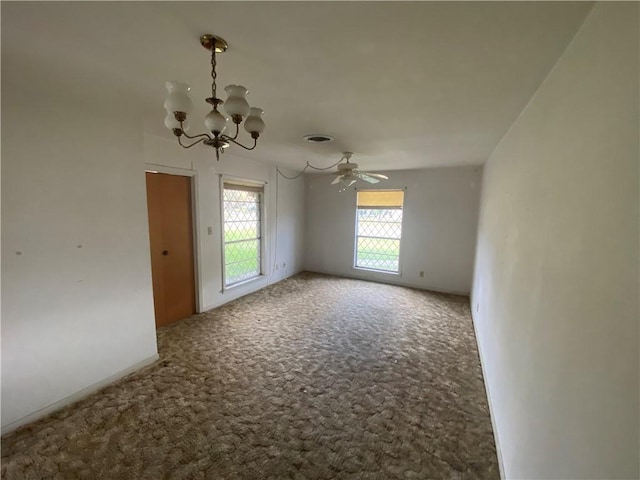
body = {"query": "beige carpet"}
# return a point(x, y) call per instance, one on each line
point(316, 377)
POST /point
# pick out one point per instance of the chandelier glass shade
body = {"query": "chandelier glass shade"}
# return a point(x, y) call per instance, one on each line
point(178, 106)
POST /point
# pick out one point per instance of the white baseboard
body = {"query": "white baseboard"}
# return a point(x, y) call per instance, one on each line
point(43, 412)
point(259, 286)
point(491, 410)
point(392, 280)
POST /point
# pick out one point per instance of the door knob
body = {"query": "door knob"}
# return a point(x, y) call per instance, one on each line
point(165, 252)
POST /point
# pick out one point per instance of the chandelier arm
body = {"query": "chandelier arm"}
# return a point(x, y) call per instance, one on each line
point(237, 132)
point(194, 136)
point(197, 136)
point(189, 146)
point(255, 142)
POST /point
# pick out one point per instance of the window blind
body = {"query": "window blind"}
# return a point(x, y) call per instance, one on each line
point(243, 187)
point(380, 198)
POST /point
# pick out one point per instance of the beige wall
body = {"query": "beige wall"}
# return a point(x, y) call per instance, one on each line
point(77, 302)
point(440, 218)
point(555, 297)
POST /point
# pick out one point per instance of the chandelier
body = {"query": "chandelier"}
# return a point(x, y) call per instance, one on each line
point(178, 105)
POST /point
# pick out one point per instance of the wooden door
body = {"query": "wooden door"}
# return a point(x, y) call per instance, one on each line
point(171, 239)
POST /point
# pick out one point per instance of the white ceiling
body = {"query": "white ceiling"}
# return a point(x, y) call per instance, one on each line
point(403, 85)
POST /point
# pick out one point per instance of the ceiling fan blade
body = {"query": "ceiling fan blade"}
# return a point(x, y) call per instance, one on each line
point(351, 182)
point(377, 175)
point(336, 180)
point(367, 178)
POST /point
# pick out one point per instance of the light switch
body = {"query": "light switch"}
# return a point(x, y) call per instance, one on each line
point(210, 230)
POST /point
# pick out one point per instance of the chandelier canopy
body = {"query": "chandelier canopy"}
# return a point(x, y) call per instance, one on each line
point(178, 105)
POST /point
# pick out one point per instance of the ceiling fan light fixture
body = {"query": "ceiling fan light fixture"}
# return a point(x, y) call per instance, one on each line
point(348, 173)
point(348, 180)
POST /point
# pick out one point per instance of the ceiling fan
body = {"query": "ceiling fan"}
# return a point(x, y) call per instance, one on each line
point(348, 173)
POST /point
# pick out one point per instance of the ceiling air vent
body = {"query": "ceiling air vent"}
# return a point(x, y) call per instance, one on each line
point(318, 138)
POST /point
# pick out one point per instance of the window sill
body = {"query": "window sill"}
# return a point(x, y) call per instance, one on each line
point(242, 283)
point(372, 270)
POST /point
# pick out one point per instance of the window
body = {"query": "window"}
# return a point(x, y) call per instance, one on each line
point(242, 216)
point(379, 230)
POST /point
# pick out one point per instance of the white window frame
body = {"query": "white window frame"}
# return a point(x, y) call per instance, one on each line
point(262, 195)
point(355, 246)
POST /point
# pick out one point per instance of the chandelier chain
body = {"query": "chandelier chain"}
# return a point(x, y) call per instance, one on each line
point(214, 75)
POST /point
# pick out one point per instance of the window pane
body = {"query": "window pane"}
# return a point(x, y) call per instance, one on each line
point(239, 230)
point(242, 260)
point(380, 223)
point(241, 234)
point(378, 254)
point(379, 230)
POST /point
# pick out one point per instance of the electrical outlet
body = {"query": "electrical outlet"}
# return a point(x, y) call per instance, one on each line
point(284, 264)
point(210, 230)
point(421, 274)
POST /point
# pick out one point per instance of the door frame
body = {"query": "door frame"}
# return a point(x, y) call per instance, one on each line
point(193, 174)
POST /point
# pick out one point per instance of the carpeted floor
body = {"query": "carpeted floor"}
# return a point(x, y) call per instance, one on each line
point(316, 377)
